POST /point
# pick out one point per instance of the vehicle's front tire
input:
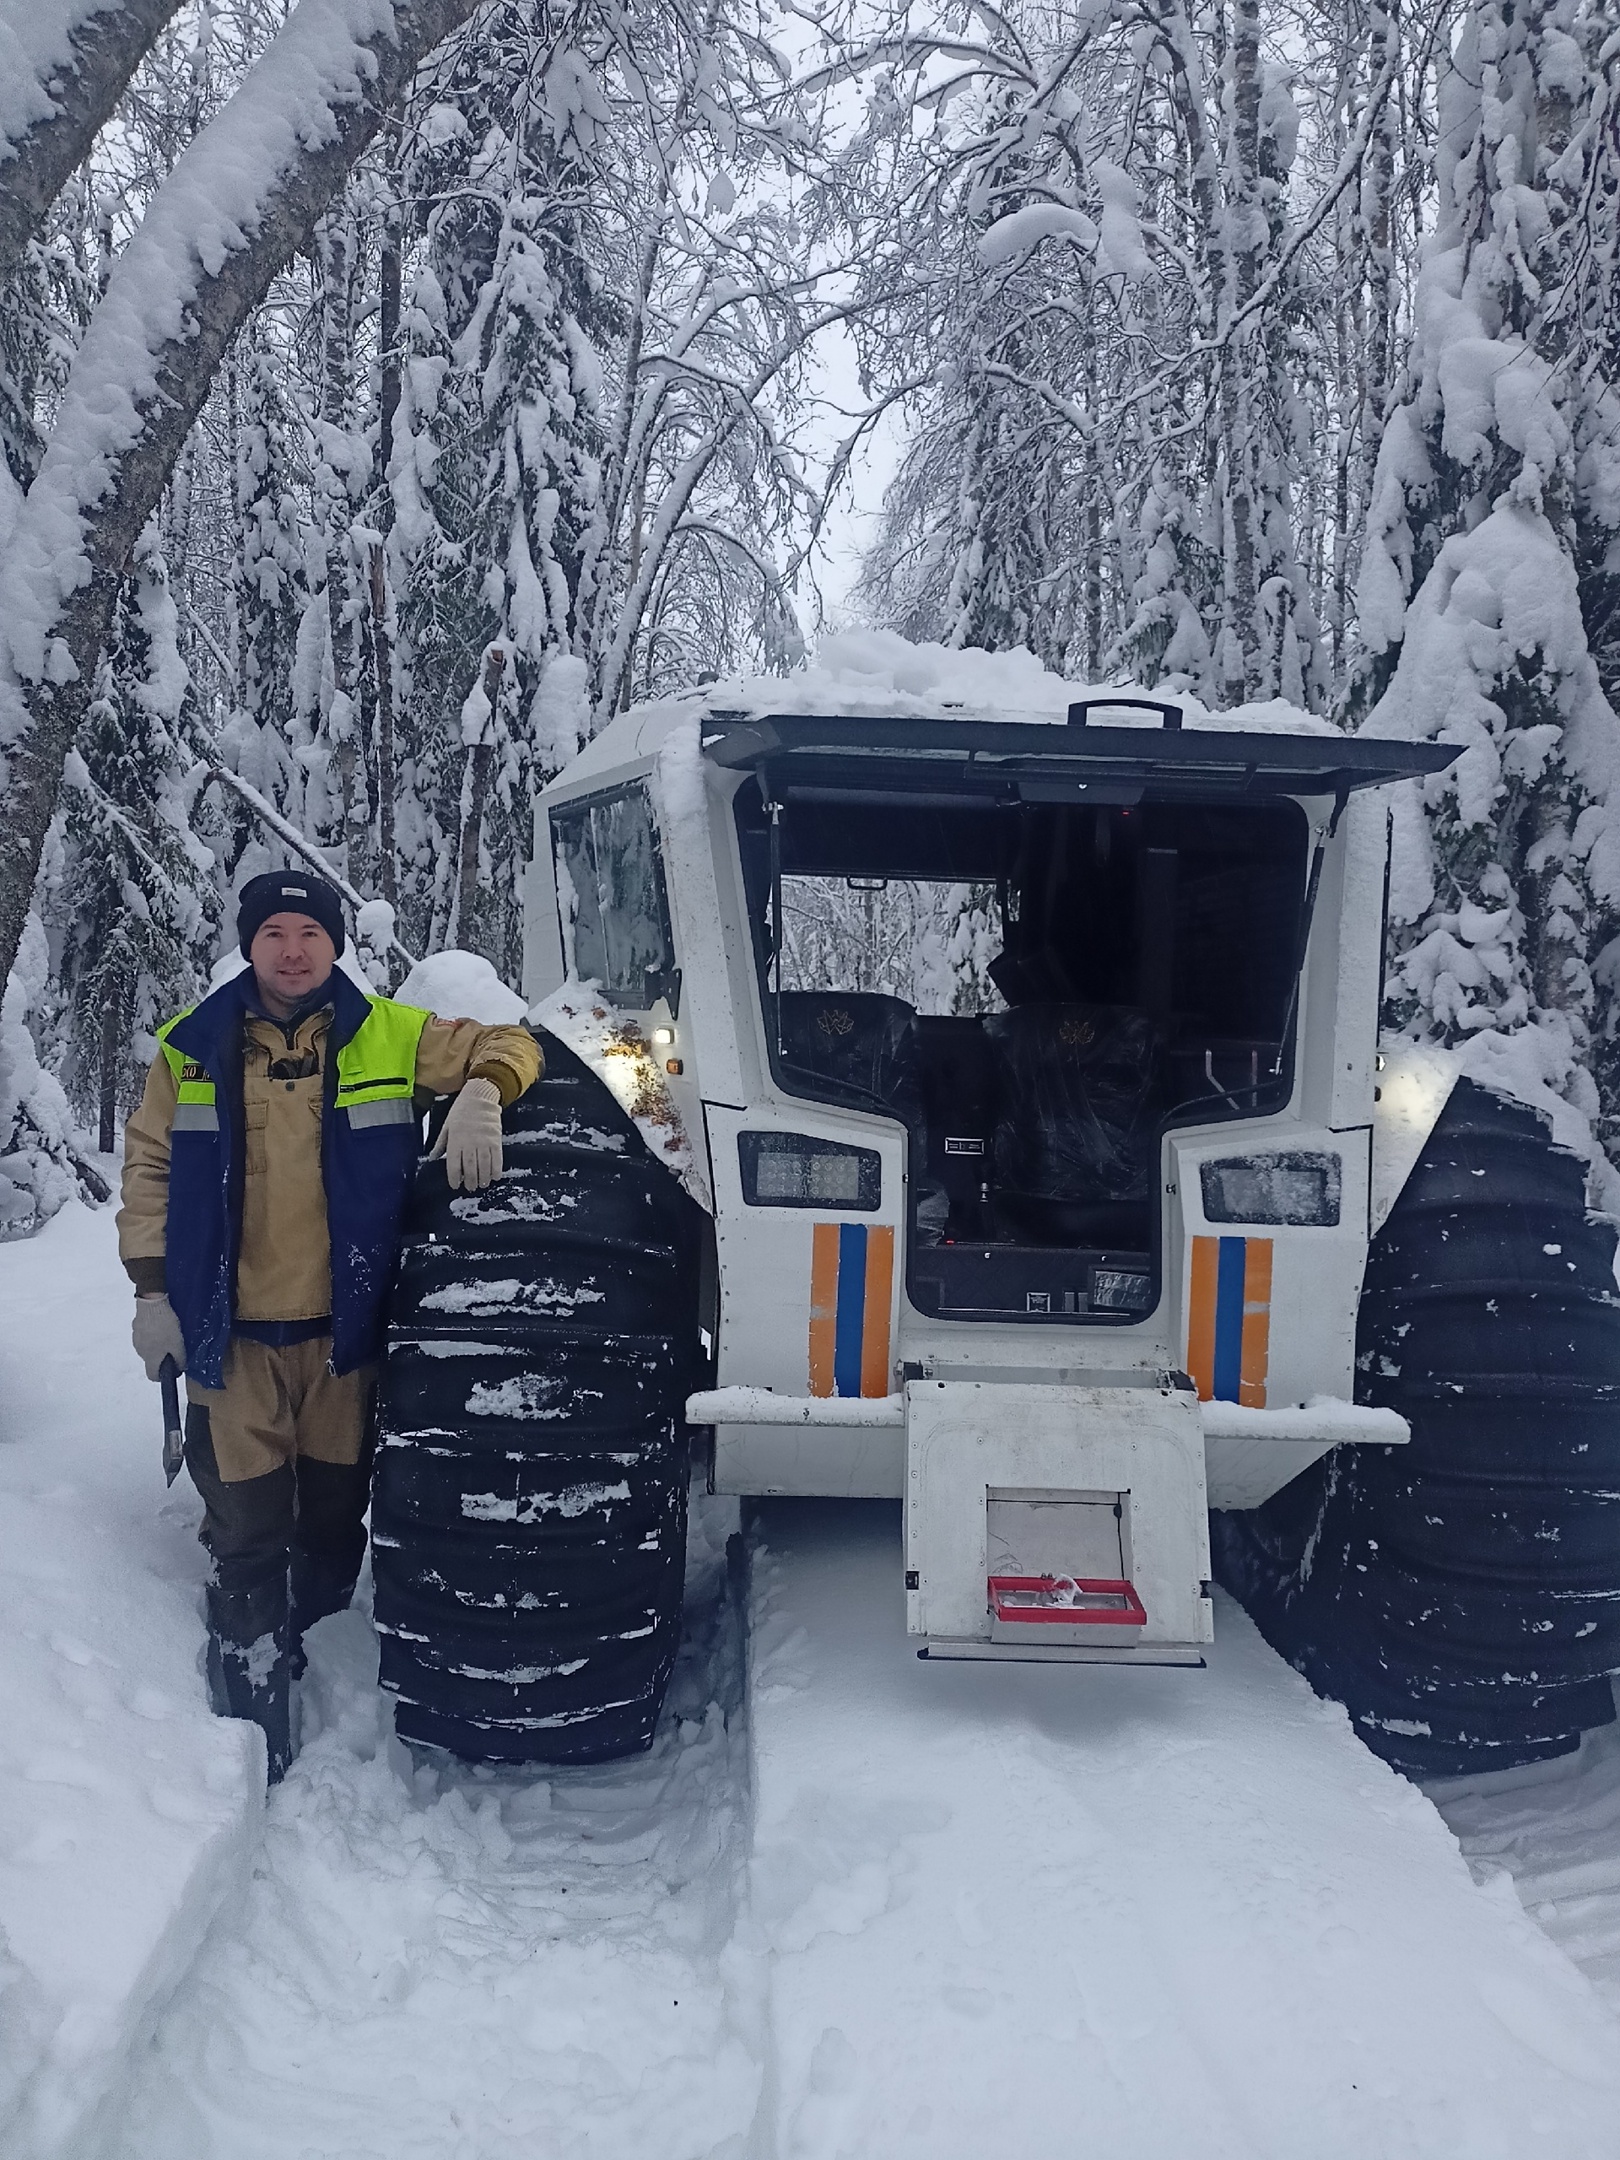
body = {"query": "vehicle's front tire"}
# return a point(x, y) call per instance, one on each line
point(529, 1496)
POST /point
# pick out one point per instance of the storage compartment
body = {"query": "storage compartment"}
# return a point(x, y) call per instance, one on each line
point(1049, 1532)
point(1060, 1562)
point(1056, 1521)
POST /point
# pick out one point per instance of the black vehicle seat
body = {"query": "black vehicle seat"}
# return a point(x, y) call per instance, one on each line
point(862, 1048)
point(860, 1042)
point(1080, 1097)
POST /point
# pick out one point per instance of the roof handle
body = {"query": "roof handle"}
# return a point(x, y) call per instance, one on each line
point(1170, 715)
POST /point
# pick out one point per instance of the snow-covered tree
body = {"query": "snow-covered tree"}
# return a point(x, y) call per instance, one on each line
point(243, 196)
point(330, 691)
point(589, 468)
point(40, 1164)
point(1493, 472)
point(135, 904)
point(1102, 318)
point(266, 588)
point(497, 446)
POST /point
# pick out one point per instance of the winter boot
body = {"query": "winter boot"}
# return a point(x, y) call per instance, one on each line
point(249, 1666)
point(329, 1543)
point(320, 1586)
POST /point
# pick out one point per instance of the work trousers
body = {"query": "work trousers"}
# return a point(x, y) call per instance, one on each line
point(286, 1541)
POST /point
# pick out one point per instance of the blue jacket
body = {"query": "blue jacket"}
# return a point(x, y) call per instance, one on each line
point(370, 1140)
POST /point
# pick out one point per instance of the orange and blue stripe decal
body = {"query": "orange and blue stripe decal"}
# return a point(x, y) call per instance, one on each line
point(851, 1289)
point(1229, 1319)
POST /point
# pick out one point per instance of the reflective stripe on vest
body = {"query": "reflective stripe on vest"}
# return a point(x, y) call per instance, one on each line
point(376, 1068)
point(376, 1071)
point(195, 1107)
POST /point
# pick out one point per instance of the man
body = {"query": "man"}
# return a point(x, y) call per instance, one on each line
point(265, 1178)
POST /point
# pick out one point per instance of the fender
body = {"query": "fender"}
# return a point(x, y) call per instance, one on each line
point(1415, 1081)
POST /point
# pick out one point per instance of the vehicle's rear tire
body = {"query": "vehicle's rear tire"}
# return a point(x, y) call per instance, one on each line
point(1461, 1595)
point(529, 1496)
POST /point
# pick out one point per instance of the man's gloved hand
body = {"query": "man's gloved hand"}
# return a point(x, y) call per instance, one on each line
point(470, 1138)
point(157, 1335)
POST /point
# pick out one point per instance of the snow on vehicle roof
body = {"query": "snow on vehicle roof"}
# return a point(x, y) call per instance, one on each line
point(875, 673)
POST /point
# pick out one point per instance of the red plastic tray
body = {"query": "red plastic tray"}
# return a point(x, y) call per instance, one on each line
point(1029, 1601)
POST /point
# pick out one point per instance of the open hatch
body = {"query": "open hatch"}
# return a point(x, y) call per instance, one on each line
point(1037, 948)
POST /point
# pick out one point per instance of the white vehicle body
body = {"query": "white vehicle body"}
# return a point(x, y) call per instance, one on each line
point(1062, 1444)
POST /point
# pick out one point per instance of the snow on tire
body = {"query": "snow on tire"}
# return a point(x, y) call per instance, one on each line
point(529, 1497)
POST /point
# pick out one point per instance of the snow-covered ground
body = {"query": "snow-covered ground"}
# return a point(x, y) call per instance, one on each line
point(862, 1906)
point(476, 1966)
point(1153, 1912)
point(127, 1812)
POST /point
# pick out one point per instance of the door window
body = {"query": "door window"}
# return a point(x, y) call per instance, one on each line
point(611, 894)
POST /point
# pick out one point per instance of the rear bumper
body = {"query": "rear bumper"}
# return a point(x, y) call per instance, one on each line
point(1248, 1454)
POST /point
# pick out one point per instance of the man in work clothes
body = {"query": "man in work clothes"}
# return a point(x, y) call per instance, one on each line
point(265, 1177)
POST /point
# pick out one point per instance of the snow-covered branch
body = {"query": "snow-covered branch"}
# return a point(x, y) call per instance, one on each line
point(64, 64)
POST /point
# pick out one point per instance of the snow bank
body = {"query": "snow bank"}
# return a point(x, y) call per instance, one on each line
point(128, 1813)
point(443, 1963)
point(461, 986)
point(982, 1909)
point(1550, 1827)
point(1042, 1909)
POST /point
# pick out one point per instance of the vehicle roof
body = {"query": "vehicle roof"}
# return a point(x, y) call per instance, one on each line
point(1001, 760)
point(872, 691)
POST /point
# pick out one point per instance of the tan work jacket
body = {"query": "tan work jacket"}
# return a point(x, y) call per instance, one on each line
point(284, 1266)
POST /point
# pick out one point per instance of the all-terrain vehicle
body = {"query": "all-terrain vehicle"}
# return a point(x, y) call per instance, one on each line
point(985, 1110)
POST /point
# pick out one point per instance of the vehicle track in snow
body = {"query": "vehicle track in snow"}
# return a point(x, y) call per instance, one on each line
point(471, 1964)
point(1555, 1828)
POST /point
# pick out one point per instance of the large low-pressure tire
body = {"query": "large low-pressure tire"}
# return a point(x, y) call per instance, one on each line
point(1461, 1595)
point(529, 1497)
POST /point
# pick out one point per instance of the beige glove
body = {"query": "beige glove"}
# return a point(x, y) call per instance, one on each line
point(470, 1138)
point(157, 1335)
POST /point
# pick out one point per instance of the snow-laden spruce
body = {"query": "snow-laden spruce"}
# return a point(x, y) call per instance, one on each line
point(1498, 482)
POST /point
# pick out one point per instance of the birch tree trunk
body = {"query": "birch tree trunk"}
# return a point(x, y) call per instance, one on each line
point(389, 294)
point(1239, 360)
point(112, 1042)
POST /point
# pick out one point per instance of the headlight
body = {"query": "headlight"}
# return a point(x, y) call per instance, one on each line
point(797, 1170)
